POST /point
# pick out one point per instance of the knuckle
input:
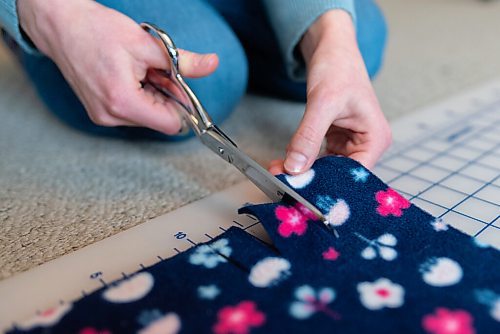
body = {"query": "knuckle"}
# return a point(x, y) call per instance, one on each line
point(102, 119)
point(142, 38)
point(115, 103)
point(386, 135)
point(321, 98)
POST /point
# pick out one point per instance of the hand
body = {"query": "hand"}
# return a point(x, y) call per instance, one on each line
point(341, 103)
point(105, 55)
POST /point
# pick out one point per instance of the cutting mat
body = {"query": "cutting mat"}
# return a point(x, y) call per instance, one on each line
point(445, 158)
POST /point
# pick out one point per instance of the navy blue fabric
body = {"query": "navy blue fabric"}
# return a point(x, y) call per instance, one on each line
point(385, 267)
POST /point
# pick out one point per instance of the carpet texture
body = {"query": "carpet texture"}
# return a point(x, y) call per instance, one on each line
point(61, 190)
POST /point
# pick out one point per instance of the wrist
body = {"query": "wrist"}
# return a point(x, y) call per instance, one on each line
point(42, 20)
point(335, 28)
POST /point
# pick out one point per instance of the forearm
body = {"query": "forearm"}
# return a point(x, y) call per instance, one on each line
point(292, 18)
point(45, 21)
point(332, 30)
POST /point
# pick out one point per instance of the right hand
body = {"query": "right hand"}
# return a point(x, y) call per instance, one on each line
point(104, 55)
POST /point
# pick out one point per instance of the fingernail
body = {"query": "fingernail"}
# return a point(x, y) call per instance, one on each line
point(207, 60)
point(295, 162)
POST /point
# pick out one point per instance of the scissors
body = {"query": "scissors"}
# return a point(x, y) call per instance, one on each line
point(195, 115)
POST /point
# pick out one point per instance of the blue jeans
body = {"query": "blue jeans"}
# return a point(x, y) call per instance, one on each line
point(237, 30)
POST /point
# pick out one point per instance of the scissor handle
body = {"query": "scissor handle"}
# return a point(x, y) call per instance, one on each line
point(214, 138)
point(173, 53)
point(193, 111)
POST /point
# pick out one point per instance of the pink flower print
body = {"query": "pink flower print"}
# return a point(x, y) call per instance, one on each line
point(445, 321)
point(391, 203)
point(331, 254)
point(91, 330)
point(238, 319)
point(305, 211)
point(292, 221)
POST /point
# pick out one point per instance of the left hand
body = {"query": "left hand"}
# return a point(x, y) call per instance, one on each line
point(341, 103)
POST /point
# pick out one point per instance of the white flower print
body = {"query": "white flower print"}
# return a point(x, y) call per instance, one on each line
point(130, 289)
point(301, 180)
point(155, 322)
point(491, 300)
point(359, 174)
point(210, 255)
point(208, 291)
point(46, 318)
point(383, 246)
point(269, 271)
point(381, 293)
point(479, 243)
point(310, 301)
point(441, 271)
point(439, 225)
point(336, 211)
point(495, 310)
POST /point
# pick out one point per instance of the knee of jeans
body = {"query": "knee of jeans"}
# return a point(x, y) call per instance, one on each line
point(221, 92)
point(197, 27)
point(371, 34)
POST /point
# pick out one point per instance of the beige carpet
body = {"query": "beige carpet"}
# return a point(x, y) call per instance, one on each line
point(61, 190)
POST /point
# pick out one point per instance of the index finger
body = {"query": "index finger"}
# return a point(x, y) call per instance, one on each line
point(135, 105)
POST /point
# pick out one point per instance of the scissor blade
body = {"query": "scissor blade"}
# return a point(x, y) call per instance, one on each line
point(276, 190)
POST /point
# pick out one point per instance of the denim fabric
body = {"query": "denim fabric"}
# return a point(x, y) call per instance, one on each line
point(9, 20)
point(268, 71)
point(388, 267)
point(236, 30)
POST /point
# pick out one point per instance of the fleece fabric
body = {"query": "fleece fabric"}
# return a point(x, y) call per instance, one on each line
point(382, 265)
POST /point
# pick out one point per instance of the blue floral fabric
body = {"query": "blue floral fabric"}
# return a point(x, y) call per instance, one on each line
point(383, 266)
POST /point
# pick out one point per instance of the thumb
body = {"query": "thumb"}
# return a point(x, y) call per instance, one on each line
point(195, 65)
point(306, 142)
point(191, 64)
